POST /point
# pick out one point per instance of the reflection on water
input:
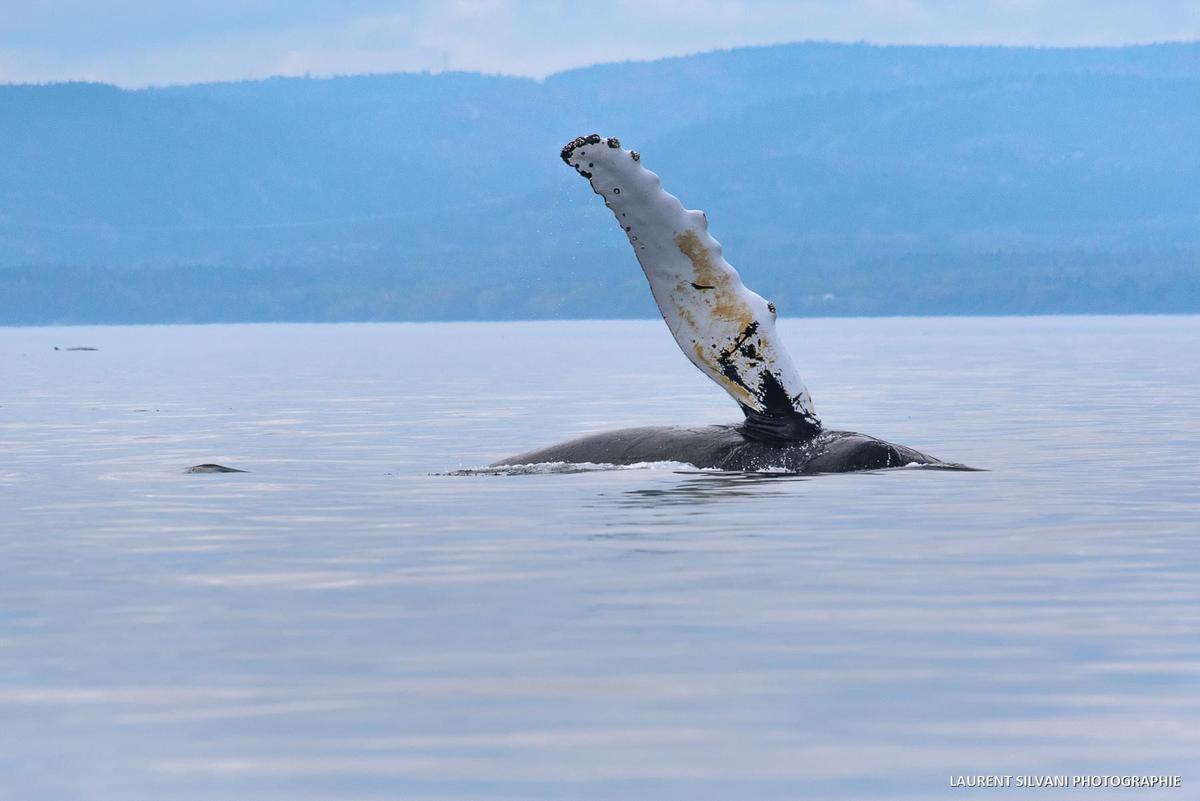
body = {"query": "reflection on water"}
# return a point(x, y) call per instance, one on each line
point(347, 621)
point(706, 487)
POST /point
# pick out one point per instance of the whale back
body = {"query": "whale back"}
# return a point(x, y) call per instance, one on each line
point(723, 328)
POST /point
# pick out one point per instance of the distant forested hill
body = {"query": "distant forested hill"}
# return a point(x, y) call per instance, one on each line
point(842, 179)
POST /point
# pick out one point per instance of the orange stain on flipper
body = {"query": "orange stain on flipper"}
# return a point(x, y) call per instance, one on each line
point(723, 303)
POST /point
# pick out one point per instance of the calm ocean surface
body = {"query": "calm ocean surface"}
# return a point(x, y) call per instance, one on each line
point(342, 622)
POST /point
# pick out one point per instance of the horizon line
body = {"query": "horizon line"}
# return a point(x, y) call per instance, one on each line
point(332, 76)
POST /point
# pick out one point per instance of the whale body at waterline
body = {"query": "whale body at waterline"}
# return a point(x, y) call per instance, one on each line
point(727, 447)
point(725, 330)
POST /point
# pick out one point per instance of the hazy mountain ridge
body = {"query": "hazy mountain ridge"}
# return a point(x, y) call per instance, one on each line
point(842, 179)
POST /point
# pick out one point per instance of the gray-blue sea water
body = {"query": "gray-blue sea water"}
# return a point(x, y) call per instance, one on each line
point(344, 622)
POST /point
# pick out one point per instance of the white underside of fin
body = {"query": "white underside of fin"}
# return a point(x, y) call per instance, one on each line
point(724, 328)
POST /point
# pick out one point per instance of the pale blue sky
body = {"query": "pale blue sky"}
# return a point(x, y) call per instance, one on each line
point(140, 42)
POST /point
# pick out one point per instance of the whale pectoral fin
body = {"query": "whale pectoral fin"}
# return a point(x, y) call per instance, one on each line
point(723, 328)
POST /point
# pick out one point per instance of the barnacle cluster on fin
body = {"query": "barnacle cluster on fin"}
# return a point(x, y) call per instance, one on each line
point(592, 139)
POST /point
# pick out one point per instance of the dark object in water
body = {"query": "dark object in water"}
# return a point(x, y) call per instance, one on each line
point(726, 331)
point(56, 347)
point(213, 468)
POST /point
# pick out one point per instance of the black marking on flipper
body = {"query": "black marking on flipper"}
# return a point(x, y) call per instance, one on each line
point(779, 422)
point(773, 395)
point(747, 332)
point(725, 360)
point(729, 370)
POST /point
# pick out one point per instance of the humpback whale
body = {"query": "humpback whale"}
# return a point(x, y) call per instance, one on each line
point(725, 330)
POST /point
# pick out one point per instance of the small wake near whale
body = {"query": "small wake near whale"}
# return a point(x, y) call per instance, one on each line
point(563, 468)
point(567, 468)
